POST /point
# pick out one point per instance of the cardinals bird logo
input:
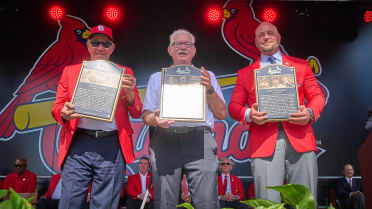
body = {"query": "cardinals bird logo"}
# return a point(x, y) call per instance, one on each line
point(28, 109)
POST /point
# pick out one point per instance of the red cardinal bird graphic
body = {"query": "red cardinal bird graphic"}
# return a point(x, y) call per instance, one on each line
point(239, 26)
point(68, 49)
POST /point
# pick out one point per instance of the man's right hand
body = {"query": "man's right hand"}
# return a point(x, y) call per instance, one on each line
point(161, 123)
point(68, 112)
point(256, 116)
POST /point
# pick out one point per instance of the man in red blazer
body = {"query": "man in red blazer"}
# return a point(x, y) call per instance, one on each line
point(230, 188)
point(21, 180)
point(51, 198)
point(277, 148)
point(137, 185)
point(91, 149)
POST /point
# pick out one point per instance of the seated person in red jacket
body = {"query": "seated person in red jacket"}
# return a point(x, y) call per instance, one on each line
point(137, 185)
point(1, 184)
point(230, 188)
point(22, 181)
point(50, 199)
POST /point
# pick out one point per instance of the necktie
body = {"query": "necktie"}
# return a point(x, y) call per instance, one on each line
point(225, 184)
point(271, 60)
point(351, 183)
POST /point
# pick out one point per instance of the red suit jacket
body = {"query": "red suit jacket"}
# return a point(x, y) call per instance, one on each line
point(65, 91)
point(236, 186)
point(262, 138)
point(52, 185)
point(26, 183)
point(134, 185)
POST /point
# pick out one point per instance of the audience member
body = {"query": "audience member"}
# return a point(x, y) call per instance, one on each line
point(22, 181)
point(230, 188)
point(50, 199)
point(137, 185)
point(349, 190)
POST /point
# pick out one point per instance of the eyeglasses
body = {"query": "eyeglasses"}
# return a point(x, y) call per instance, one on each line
point(105, 44)
point(225, 163)
point(180, 43)
point(19, 166)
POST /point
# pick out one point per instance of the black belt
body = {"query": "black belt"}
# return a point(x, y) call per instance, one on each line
point(182, 129)
point(96, 133)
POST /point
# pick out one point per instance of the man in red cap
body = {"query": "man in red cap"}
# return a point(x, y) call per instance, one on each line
point(92, 150)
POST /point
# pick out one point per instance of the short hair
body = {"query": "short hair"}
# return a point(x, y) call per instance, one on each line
point(22, 159)
point(144, 158)
point(181, 31)
point(222, 159)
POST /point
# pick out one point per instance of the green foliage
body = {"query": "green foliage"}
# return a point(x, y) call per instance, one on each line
point(15, 201)
point(185, 205)
point(331, 206)
point(298, 196)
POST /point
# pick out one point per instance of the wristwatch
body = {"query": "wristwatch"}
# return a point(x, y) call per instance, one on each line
point(311, 115)
point(210, 90)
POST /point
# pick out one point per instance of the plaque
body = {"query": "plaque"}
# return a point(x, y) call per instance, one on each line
point(276, 91)
point(97, 90)
point(183, 97)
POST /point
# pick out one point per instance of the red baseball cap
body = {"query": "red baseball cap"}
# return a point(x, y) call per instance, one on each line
point(101, 29)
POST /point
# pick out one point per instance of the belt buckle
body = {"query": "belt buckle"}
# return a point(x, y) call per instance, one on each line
point(181, 130)
point(98, 133)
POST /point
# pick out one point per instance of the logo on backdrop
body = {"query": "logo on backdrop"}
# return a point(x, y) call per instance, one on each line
point(26, 111)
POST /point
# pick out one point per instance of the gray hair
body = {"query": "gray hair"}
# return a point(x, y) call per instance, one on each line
point(181, 31)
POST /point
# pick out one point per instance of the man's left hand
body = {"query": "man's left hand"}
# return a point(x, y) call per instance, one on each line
point(128, 83)
point(302, 117)
point(205, 78)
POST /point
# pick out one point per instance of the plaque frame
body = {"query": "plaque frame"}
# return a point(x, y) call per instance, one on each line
point(186, 77)
point(277, 72)
point(113, 84)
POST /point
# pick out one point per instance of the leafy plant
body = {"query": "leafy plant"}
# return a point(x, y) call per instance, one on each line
point(15, 201)
point(189, 206)
point(295, 195)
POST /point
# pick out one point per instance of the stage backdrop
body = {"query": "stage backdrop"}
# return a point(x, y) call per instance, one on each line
point(35, 50)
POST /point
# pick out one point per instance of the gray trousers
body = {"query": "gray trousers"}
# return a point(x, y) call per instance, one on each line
point(285, 163)
point(194, 154)
point(97, 160)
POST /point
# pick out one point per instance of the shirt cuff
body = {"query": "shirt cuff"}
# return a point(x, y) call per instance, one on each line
point(247, 119)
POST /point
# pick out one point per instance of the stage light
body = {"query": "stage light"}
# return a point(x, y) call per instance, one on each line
point(56, 12)
point(270, 15)
point(367, 17)
point(112, 13)
point(214, 15)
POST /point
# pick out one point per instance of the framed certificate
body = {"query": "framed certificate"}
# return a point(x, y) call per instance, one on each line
point(183, 97)
point(97, 90)
point(276, 91)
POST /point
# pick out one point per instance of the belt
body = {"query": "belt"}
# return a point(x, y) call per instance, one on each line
point(96, 133)
point(182, 129)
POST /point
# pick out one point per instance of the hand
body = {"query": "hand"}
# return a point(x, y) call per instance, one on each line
point(161, 123)
point(256, 116)
point(205, 78)
point(302, 117)
point(68, 111)
point(141, 196)
point(147, 200)
point(229, 197)
point(128, 83)
point(186, 198)
point(88, 198)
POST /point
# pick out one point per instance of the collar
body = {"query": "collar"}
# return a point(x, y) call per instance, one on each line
point(277, 56)
point(142, 174)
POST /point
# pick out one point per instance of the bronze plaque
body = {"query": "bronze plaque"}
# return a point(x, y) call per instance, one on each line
point(97, 90)
point(183, 97)
point(276, 91)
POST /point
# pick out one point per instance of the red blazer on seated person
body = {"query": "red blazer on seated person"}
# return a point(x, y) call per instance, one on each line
point(134, 185)
point(262, 138)
point(52, 185)
point(25, 183)
point(236, 186)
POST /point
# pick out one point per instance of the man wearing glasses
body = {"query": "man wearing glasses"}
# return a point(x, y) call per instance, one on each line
point(92, 150)
point(230, 188)
point(22, 181)
point(189, 148)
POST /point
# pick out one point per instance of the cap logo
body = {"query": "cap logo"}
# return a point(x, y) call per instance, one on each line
point(101, 28)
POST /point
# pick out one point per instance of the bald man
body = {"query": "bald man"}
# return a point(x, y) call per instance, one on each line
point(278, 149)
point(21, 180)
